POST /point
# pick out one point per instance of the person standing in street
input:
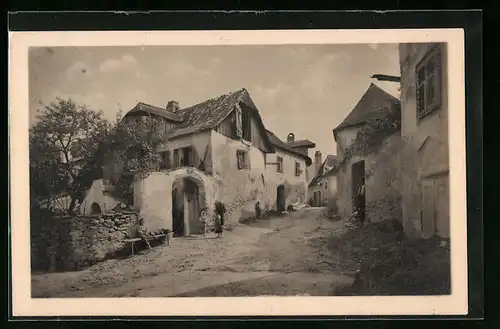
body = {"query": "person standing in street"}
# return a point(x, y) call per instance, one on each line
point(218, 225)
point(205, 221)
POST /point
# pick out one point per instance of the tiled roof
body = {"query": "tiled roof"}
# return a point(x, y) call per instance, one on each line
point(143, 107)
point(302, 143)
point(276, 141)
point(375, 103)
point(210, 113)
point(332, 162)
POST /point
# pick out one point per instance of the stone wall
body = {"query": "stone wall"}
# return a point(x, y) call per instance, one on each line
point(72, 242)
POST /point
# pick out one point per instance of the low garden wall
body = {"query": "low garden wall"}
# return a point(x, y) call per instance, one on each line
point(72, 242)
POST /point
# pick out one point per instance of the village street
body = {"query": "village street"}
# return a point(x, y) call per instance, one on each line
point(275, 256)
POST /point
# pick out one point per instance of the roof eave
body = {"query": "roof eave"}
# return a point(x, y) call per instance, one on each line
point(347, 126)
point(259, 119)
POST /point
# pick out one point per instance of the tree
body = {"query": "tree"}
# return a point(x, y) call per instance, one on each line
point(67, 145)
point(135, 140)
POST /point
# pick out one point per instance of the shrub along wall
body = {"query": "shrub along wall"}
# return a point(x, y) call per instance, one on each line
point(74, 242)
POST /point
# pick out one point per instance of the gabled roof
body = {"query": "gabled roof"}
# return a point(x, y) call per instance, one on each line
point(146, 108)
point(332, 162)
point(277, 142)
point(375, 103)
point(209, 114)
point(302, 143)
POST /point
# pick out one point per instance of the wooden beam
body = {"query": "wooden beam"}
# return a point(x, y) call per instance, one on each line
point(383, 77)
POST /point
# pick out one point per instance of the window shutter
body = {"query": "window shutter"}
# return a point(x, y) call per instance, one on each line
point(195, 159)
point(176, 158)
point(167, 160)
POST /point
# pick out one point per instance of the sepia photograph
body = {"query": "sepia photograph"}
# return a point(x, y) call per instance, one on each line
point(242, 170)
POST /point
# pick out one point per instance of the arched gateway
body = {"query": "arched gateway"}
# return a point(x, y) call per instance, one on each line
point(173, 199)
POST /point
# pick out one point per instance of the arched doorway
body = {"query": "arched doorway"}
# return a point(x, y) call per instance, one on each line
point(95, 209)
point(280, 197)
point(188, 199)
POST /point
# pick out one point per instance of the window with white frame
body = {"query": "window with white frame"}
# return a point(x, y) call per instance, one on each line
point(428, 84)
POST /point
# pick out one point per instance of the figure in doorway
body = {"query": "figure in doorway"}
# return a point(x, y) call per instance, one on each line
point(360, 203)
point(204, 219)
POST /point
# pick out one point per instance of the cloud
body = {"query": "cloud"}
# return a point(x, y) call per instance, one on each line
point(319, 77)
point(272, 91)
point(125, 62)
point(132, 98)
point(182, 70)
point(78, 70)
point(142, 75)
point(215, 61)
point(92, 99)
point(299, 54)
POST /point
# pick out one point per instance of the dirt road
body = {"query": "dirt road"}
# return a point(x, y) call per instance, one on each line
point(286, 255)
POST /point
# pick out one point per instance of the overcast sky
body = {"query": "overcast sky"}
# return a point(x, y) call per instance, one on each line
point(304, 89)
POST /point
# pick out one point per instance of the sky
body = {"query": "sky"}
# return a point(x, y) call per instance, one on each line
point(304, 89)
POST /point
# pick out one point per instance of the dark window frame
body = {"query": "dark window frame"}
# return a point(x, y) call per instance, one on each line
point(297, 169)
point(242, 159)
point(187, 161)
point(279, 164)
point(423, 80)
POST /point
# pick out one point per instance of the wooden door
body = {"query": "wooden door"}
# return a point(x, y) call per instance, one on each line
point(358, 180)
point(280, 198)
point(193, 213)
point(428, 209)
point(442, 207)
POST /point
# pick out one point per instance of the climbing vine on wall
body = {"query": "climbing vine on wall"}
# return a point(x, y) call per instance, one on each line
point(370, 137)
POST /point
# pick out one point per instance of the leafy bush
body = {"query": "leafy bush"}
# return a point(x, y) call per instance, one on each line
point(220, 209)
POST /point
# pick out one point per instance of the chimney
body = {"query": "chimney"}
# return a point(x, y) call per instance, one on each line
point(172, 106)
point(290, 138)
point(317, 161)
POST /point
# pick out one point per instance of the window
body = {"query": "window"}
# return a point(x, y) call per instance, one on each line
point(183, 157)
point(297, 169)
point(242, 159)
point(279, 166)
point(428, 74)
point(188, 156)
point(165, 160)
point(326, 185)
